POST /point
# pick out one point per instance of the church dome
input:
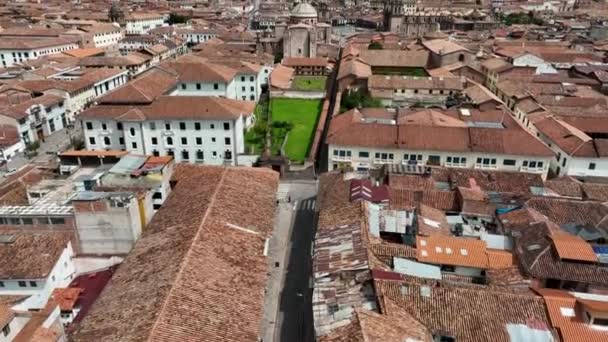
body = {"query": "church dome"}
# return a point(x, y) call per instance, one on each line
point(304, 10)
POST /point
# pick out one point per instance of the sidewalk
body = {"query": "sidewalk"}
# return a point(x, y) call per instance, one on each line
point(277, 248)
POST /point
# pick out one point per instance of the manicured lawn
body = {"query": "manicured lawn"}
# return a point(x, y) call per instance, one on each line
point(309, 83)
point(255, 136)
point(302, 115)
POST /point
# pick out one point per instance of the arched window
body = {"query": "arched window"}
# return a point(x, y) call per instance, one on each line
point(132, 131)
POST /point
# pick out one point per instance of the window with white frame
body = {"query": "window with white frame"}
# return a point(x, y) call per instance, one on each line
point(486, 163)
point(412, 158)
point(532, 165)
point(382, 157)
point(456, 161)
point(342, 154)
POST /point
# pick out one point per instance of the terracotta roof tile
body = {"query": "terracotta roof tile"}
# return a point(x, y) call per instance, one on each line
point(31, 255)
point(444, 250)
point(66, 298)
point(305, 61)
point(144, 89)
point(465, 314)
point(395, 58)
point(571, 247)
point(568, 320)
point(198, 271)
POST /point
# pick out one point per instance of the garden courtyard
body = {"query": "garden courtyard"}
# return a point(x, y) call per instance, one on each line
point(295, 119)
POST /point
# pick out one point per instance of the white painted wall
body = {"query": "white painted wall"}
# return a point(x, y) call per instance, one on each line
point(143, 26)
point(471, 159)
point(107, 39)
point(206, 89)
point(564, 164)
point(8, 57)
point(140, 140)
point(61, 275)
point(8, 152)
point(15, 325)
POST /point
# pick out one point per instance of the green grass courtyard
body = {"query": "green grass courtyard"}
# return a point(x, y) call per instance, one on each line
point(298, 117)
point(309, 83)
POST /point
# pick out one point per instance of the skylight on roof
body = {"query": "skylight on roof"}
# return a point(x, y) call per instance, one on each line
point(567, 312)
point(464, 252)
point(422, 242)
point(424, 253)
point(438, 250)
point(448, 251)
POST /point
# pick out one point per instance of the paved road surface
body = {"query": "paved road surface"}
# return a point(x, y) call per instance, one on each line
point(296, 322)
point(287, 305)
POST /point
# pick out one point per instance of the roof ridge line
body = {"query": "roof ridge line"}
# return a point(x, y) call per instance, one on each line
point(184, 260)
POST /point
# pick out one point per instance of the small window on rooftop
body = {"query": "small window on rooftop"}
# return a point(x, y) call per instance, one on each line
point(567, 312)
point(464, 252)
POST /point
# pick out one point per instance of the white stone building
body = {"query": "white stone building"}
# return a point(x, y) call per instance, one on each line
point(196, 129)
point(576, 153)
point(196, 35)
point(371, 137)
point(103, 35)
point(46, 263)
point(140, 23)
point(233, 80)
point(17, 50)
point(36, 118)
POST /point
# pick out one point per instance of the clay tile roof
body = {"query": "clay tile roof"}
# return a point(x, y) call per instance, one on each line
point(570, 139)
point(6, 314)
point(144, 89)
point(565, 188)
point(185, 107)
point(200, 71)
point(18, 111)
point(66, 298)
point(572, 247)
point(499, 259)
point(281, 77)
point(569, 321)
point(411, 82)
point(480, 94)
point(488, 313)
point(563, 211)
point(354, 67)
point(443, 47)
point(9, 135)
point(410, 182)
point(395, 58)
point(305, 61)
point(85, 52)
point(496, 64)
point(595, 191)
point(31, 255)
point(432, 221)
point(198, 272)
point(445, 250)
point(438, 199)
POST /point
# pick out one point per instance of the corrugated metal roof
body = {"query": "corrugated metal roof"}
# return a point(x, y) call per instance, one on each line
point(416, 269)
point(128, 164)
